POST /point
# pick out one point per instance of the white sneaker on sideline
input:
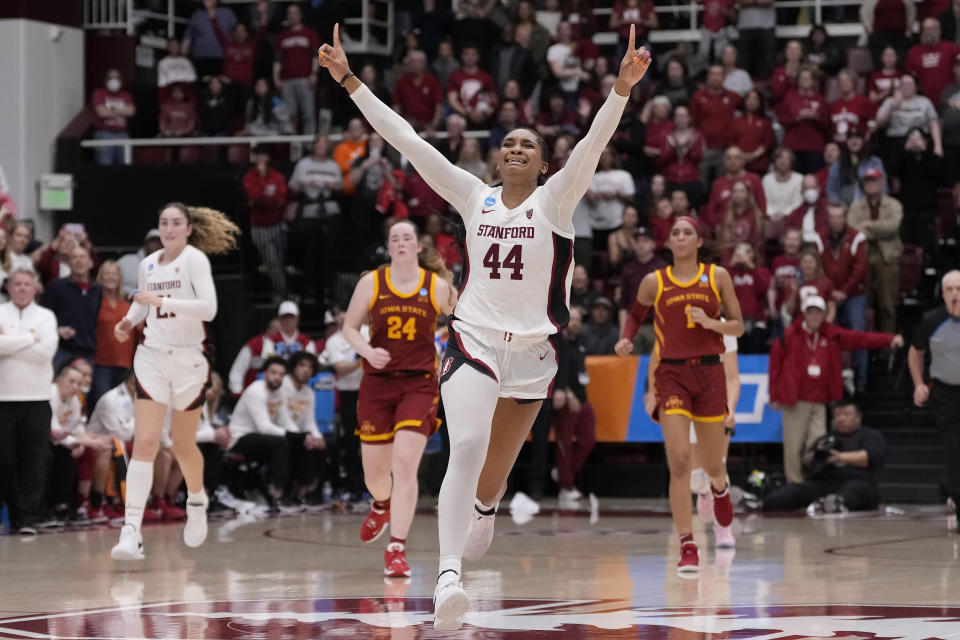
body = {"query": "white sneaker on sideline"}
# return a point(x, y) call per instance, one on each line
point(130, 546)
point(569, 495)
point(480, 533)
point(523, 502)
point(195, 531)
point(450, 603)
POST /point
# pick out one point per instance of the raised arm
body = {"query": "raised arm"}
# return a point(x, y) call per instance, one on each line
point(452, 183)
point(569, 184)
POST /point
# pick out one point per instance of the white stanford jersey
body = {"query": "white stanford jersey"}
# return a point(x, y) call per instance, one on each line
point(520, 259)
point(519, 267)
point(190, 299)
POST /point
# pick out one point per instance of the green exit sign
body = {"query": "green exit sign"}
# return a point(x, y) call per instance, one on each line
point(56, 192)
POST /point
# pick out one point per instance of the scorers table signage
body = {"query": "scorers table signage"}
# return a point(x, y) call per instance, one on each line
point(617, 385)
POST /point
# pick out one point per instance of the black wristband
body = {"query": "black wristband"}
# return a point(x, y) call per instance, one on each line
point(348, 74)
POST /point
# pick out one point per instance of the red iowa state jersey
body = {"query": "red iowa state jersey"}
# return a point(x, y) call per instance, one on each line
point(678, 338)
point(404, 325)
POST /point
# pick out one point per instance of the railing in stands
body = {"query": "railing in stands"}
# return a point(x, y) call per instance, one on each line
point(129, 144)
point(108, 14)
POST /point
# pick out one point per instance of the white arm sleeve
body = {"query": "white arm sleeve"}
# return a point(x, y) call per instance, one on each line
point(238, 370)
point(568, 185)
point(138, 312)
point(452, 183)
point(204, 307)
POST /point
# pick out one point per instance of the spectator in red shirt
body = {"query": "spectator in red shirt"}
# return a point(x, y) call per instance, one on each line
point(811, 216)
point(813, 282)
point(803, 113)
point(266, 191)
point(239, 54)
point(422, 201)
point(805, 373)
point(295, 71)
point(661, 222)
point(471, 91)
point(888, 23)
point(557, 119)
point(681, 155)
point(742, 222)
point(885, 80)
point(752, 132)
point(784, 79)
point(785, 270)
point(712, 109)
point(843, 250)
point(932, 60)
point(418, 96)
point(659, 125)
point(178, 117)
point(717, 15)
point(751, 281)
point(851, 111)
point(733, 165)
point(111, 106)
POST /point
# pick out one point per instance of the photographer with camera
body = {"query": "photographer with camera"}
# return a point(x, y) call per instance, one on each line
point(843, 475)
point(806, 373)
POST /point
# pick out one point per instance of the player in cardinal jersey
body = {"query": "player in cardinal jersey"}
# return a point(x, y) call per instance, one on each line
point(499, 364)
point(689, 382)
point(176, 296)
point(399, 397)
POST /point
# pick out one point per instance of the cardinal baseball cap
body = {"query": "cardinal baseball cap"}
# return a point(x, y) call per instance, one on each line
point(873, 174)
point(814, 301)
point(288, 308)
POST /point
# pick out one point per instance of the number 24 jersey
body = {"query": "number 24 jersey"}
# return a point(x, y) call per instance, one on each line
point(519, 267)
point(404, 323)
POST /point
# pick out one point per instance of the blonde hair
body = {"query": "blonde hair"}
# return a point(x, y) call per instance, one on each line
point(111, 263)
point(727, 232)
point(429, 259)
point(213, 232)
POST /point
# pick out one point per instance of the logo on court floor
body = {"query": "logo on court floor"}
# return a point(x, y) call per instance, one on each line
point(494, 619)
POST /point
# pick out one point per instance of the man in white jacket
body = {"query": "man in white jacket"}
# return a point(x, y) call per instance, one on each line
point(259, 426)
point(28, 342)
point(307, 445)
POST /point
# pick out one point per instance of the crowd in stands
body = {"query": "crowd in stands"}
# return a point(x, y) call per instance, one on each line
point(813, 182)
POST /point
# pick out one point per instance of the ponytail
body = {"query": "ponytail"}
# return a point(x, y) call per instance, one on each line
point(213, 232)
point(430, 260)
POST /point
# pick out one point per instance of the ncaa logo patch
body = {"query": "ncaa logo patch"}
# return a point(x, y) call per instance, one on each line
point(704, 278)
point(422, 292)
point(150, 267)
point(490, 201)
point(446, 366)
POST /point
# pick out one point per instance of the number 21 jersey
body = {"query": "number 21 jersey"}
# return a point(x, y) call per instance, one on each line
point(519, 267)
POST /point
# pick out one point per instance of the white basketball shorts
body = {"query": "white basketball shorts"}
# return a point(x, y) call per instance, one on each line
point(176, 377)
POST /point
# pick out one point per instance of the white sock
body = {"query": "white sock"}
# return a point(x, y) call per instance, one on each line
point(469, 398)
point(196, 499)
point(139, 481)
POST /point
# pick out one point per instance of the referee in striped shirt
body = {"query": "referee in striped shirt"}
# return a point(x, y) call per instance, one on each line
point(939, 333)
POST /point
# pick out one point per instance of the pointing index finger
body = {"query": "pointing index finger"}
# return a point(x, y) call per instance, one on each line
point(336, 35)
point(632, 42)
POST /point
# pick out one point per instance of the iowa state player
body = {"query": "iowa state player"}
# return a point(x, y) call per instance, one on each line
point(176, 296)
point(689, 382)
point(399, 396)
point(499, 364)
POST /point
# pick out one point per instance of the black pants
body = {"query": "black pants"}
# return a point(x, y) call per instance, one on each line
point(540, 451)
point(24, 437)
point(857, 494)
point(63, 476)
point(945, 404)
point(270, 450)
point(756, 49)
point(348, 444)
point(305, 464)
point(212, 465)
point(314, 242)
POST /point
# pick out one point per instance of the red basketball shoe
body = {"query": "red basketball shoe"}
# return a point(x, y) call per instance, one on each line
point(374, 525)
point(722, 506)
point(689, 558)
point(395, 562)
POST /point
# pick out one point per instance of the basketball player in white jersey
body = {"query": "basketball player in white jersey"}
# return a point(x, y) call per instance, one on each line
point(500, 363)
point(176, 296)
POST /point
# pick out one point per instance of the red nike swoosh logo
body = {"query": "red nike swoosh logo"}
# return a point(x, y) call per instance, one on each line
point(486, 211)
point(544, 356)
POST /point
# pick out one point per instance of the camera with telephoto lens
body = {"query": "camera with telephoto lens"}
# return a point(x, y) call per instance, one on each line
point(823, 446)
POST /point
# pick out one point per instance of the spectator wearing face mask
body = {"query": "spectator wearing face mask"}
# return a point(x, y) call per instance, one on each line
point(811, 216)
point(112, 108)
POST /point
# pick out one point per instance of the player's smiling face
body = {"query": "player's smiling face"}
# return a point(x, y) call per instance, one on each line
point(403, 244)
point(521, 157)
point(174, 228)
